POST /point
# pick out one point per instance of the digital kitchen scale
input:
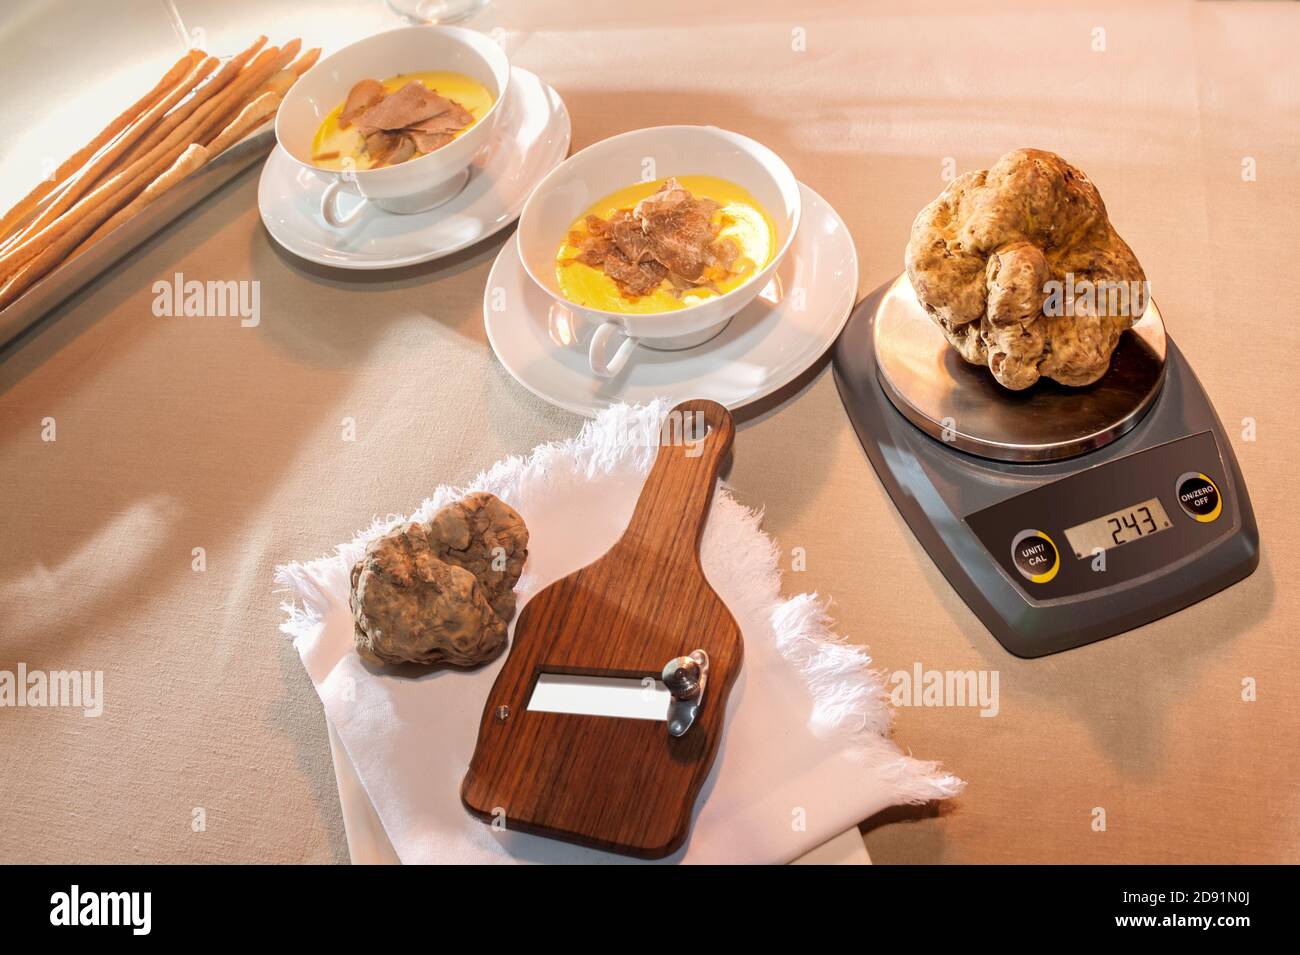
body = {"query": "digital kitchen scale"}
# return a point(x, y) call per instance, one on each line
point(1060, 515)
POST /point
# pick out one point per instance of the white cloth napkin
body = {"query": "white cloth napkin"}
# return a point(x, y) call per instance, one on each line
point(805, 754)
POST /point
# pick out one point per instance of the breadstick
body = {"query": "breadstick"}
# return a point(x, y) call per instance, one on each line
point(52, 255)
point(249, 118)
point(18, 283)
point(20, 227)
point(280, 82)
point(108, 198)
point(207, 121)
point(27, 205)
point(194, 156)
point(306, 61)
point(250, 83)
point(187, 108)
point(191, 159)
point(235, 102)
point(139, 173)
point(62, 245)
point(28, 246)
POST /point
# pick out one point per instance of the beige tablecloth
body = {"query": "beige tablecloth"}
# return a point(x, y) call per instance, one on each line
point(176, 434)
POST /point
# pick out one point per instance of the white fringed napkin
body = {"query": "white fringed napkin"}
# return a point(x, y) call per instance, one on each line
point(806, 753)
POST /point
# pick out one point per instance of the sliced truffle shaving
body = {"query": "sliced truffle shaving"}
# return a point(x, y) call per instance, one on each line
point(379, 144)
point(723, 253)
point(679, 228)
point(428, 142)
point(361, 97)
point(635, 279)
point(451, 119)
point(680, 241)
point(682, 284)
point(668, 235)
point(403, 151)
point(598, 250)
point(626, 232)
point(672, 197)
point(409, 106)
point(592, 248)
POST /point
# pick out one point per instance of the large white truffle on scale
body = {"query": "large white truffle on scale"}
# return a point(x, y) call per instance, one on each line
point(1022, 270)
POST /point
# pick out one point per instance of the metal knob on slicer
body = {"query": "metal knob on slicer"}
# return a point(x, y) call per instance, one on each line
point(685, 679)
point(682, 677)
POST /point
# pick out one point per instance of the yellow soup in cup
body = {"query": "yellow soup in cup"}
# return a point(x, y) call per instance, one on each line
point(738, 218)
point(337, 149)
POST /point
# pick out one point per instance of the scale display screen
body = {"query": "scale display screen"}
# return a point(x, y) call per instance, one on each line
point(1119, 527)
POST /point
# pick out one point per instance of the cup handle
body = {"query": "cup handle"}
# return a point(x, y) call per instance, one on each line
point(608, 367)
point(329, 210)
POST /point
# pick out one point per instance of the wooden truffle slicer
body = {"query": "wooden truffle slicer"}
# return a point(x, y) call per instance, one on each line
point(643, 610)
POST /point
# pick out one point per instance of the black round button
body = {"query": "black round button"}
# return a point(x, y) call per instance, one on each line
point(1035, 556)
point(1199, 497)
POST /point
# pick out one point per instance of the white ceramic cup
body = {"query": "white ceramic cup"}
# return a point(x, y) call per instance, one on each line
point(417, 184)
point(655, 153)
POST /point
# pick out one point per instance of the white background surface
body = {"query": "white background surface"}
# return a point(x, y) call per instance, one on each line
point(174, 434)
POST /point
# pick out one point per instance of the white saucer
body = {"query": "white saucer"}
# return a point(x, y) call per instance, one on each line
point(531, 139)
point(768, 344)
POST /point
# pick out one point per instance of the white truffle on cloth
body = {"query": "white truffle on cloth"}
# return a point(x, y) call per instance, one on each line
point(985, 257)
point(485, 536)
point(442, 591)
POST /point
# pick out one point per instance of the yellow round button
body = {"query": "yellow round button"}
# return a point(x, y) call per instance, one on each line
point(1199, 497)
point(1035, 556)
